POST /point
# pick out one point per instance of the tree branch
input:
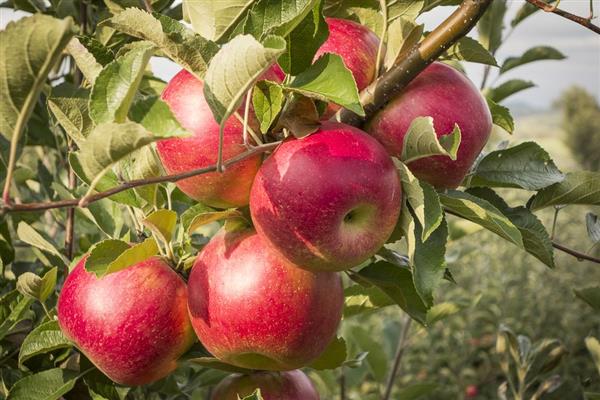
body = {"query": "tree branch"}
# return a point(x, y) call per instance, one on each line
point(398, 357)
point(9, 207)
point(388, 85)
point(585, 22)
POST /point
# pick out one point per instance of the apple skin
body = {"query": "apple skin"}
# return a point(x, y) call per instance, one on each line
point(329, 201)
point(450, 98)
point(290, 385)
point(253, 309)
point(185, 96)
point(132, 324)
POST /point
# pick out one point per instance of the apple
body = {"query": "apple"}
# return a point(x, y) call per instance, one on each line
point(471, 392)
point(132, 324)
point(446, 95)
point(357, 45)
point(253, 309)
point(185, 96)
point(328, 201)
point(290, 385)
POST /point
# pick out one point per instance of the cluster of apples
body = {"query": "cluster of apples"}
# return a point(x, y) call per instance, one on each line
point(271, 299)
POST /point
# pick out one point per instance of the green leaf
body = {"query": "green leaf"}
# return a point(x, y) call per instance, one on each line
point(422, 199)
point(30, 236)
point(593, 346)
point(113, 255)
point(491, 25)
point(590, 295)
point(441, 311)
point(304, 41)
point(254, 396)
point(592, 223)
point(421, 141)
point(360, 299)
point(402, 35)
point(536, 240)
point(469, 49)
point(156, 116)
point(45, 338)
point(376, 359)
point(143, 164)
point(507, 89)
point(429, 261)
point(212, 19)
point(397, 283)
point(299, 116)
point(186, 48)
point(267, 17)
point(85, 60)
point(14, 308)
point(235, 68)
point(36, 287)
point(116, 85)
point(206, 217)
point(537, 53)
point(215, 363)
point(51, 384)
point(526, 166)
point(582, 187)
point(267, 100)
point(483, 213)
point(73, 115)
point(332, 357)
point(525, 11)
point(162, 224)
point(328, 79)
point(30, 47)
point(408, 9)
point(501, 116)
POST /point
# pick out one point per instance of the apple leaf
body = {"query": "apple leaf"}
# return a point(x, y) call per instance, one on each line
point(45, 338)
point(593, 346)
point(267, 100)
point(536, 240)
point(491, 25)
point(376, 358)
point(304, 41)
point(592, 223)
point(85, 60)
point(30, 48)
point(214, 19)
point(507, 89)
point(408, 9)
point(186, 48)
point(215, 363)
point(235, 68)
point(582, 187)
point(267, 17)
point(361, 299)
point(254, 396)
point(300, 116)
point(142, 164)
point(30, 236)
point(591, 295)
point(50, 384)
point(116, 85)
point(442, 311)
point(328, 79)
point(39, 288)
point(73, 115)
point(526, 166)
point(469, 49)
point(113, 255)
point(162, 224)
point(428, 261)
point(537, 53)
point(481, 212)
point(397, 283)
point(422, 141)
point(200, 215)
point(14, 308)
point(402, 35)
point(501, 116)
point(332, 357)
point(156, 116)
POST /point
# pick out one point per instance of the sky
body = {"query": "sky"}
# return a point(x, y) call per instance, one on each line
point(580, 45)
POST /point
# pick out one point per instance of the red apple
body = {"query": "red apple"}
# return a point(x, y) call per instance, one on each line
point(471, 392)
point(251, 308)
point(328, 201)
point(357, 45)
point(185, 96)
point(290, 385)
point(132, 324)
point(450, 98)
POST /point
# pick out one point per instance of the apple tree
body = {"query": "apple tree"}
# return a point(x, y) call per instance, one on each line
point(203, 238)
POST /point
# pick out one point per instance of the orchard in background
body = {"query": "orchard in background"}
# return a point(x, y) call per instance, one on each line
point(211, 237)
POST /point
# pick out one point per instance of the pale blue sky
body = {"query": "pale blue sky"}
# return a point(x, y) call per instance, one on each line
point(581, 46)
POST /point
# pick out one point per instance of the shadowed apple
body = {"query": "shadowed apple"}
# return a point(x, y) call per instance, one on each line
point(290, 385)
point(132, 324)
point(449, 98)
point(328, 201)
point(253, 309)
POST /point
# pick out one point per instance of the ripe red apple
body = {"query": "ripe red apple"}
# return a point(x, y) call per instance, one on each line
point(290, 385)
point(251, 308)
point(450, 98)
point(132, 324)
point(357, 46)
point(328, 201)
point(185, 96)
point(471, 392)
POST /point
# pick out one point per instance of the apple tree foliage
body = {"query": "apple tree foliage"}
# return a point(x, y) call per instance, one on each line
point(81, 109)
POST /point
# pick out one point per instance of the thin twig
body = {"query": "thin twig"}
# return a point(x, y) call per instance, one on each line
point(585, 22)
point(382, 38)
point(398, 357)
point(135, 183)
point(342, 384)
